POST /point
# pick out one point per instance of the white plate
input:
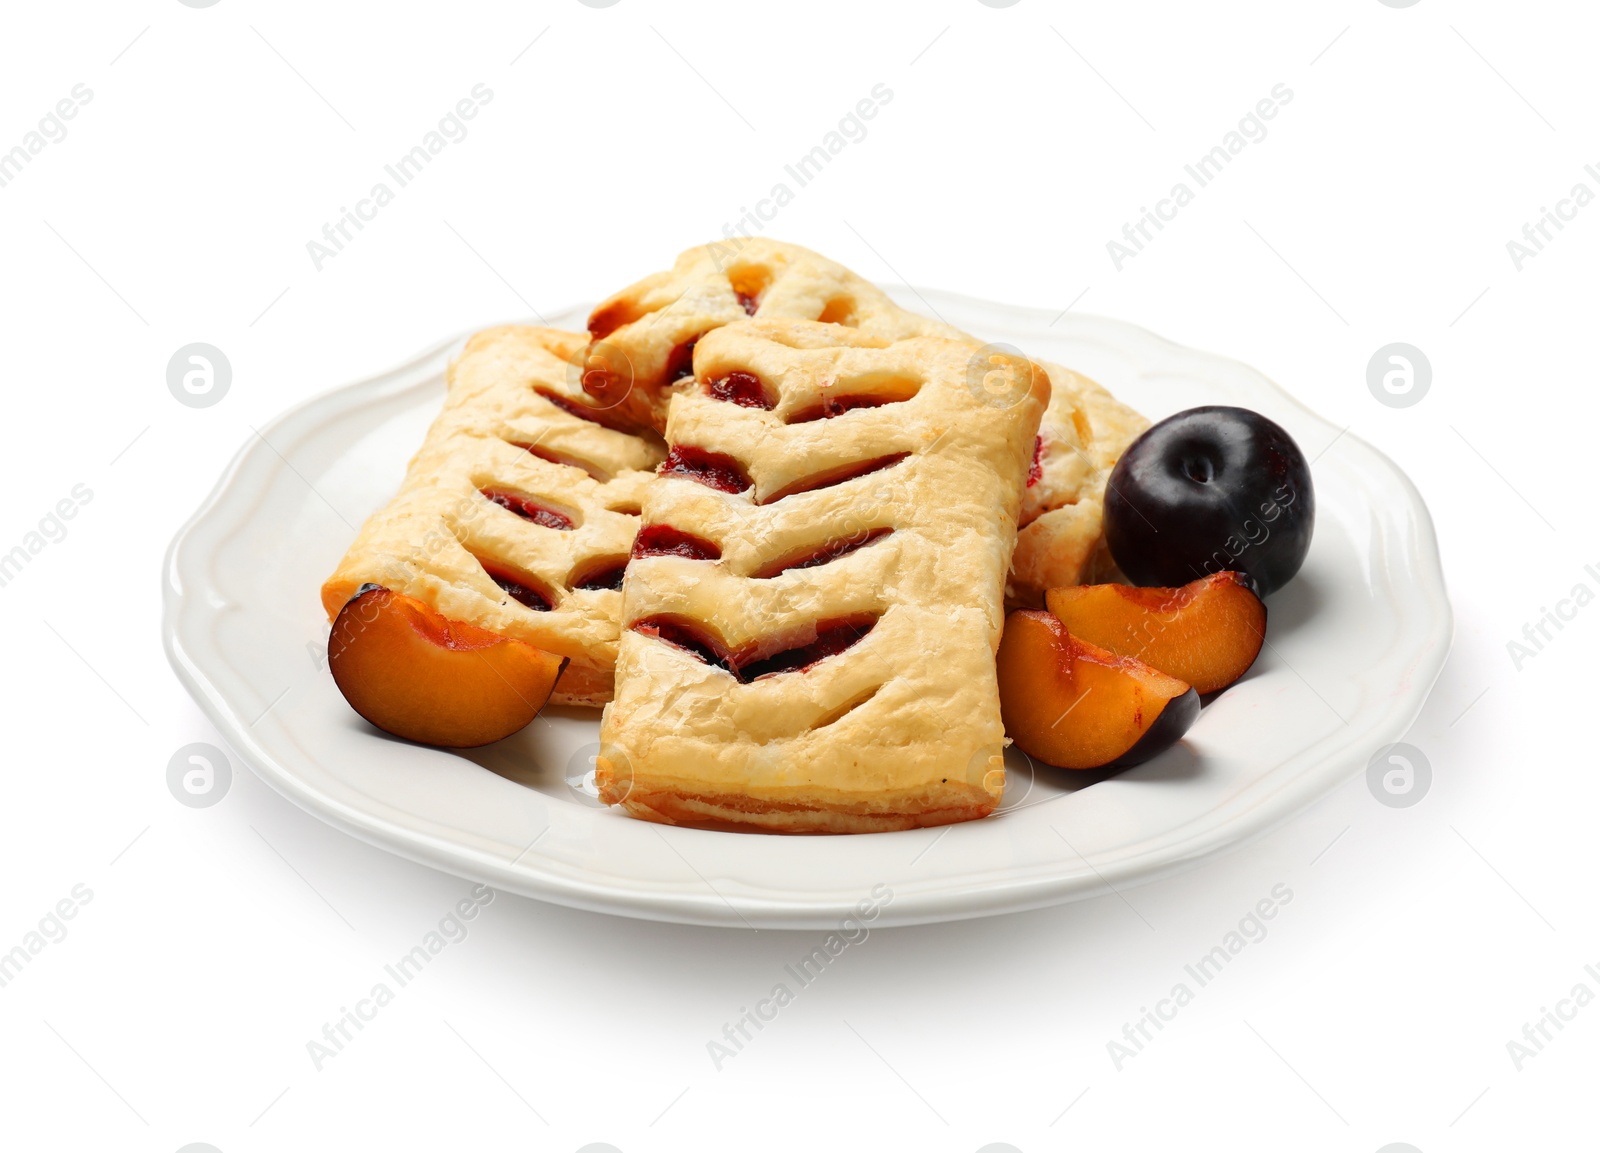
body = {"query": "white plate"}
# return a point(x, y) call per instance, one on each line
point(1356, 642)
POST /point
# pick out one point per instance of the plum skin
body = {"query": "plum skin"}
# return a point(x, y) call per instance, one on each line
point(1211, 489)
point(1176, 719)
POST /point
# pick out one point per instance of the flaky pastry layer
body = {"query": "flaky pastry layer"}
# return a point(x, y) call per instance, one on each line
point(644, 335)
point(514, 421)
point(902, 563)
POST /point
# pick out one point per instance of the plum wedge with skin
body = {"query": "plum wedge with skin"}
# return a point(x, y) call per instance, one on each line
point(1074, 705)
point(1208, 632)
point(418, 675)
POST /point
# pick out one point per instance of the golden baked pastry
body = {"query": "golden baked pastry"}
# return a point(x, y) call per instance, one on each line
point(518, 512)
point(644, 341)
point(812, 609)
point(1061, 541)
point(644, 336)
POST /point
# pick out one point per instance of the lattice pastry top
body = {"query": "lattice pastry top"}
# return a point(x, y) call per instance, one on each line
point(812, 611)
point(518, 512)
point(644, 340)
point(644, 336)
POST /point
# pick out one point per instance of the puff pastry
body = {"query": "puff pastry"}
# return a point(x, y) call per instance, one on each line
point(1062, 540)
point(812, 609)
point(519, 510)
point(644, 337)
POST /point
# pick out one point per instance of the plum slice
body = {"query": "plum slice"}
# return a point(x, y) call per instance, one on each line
point(1074, 705)
point(1207, 632)
point(426, 678)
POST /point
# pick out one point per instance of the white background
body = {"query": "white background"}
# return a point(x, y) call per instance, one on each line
point(1017, 143)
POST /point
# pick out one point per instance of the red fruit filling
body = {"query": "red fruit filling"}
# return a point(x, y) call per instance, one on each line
point(664, 540)
point(833, 406)
point(837, 475)
point(607, 575)
point(811, 558)
point(527, 509)
point(680, 362)
point(712, 469)
point(516, 589)
point(577, 408)
point(830, 638)
point(741, 388)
